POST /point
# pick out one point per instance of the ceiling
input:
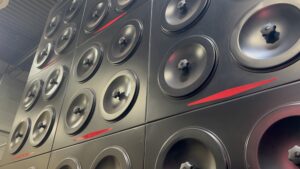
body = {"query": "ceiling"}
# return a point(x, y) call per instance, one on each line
point(21, 27)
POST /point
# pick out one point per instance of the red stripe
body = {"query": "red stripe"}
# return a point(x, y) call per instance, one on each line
point(172, 58)
point(111, 22)
point(24, 155)
point(92, 134)
point(232, 92)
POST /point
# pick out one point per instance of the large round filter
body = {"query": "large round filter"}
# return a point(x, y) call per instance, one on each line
point(120, 95)
point(42, 126)
point(43, 56)
point(125, 42)
point(53, 82)
point(268, 36)
point(65, 39)
point(274, 142)
point(52, 26)
point(192, 148)
point(72, 10)
point(88, 63)
point(177, 15)
point(96, 16)
point(69, 163)
point(122, 5)
point(19, 136)
point(32, 94)
point(187, 66)
point(80, 111)
point(112, 158)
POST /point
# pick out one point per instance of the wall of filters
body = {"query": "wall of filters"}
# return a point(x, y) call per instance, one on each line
point(162, 84)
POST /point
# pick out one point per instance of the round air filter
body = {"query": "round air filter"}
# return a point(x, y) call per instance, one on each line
point(53, 82)
point(192, 148)
point(187, 66)
point(177, 15)
point(19, 136)
point(65, 39)
point(69, 163)
point(96, 16)
point(268, 36)
point(42, 127)
point(120, 95)
point(43, 56)
point(125, 42)
point(122, 5)
point(80, 111)
point(112, 158)
point(32, 94)
point(274, 141)
point(72, 10)
point(88, 63)
point(52, 26)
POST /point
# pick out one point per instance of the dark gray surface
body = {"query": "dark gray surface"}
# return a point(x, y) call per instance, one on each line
point(40, 162)
point(65, 60)
point(231, 121)
point(11, 91)
point(218, 23)
point(56, 102)
point(54, 58)
point(132, 141)
point(137, 63)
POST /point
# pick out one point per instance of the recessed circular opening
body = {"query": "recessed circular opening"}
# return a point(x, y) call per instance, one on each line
point(189, 151)
point(177, 15)
point(43, 56)
point(42, 127)
point(125, 42)
point(53, 82)
point(191, 148)
point(122, 5)
point(109, 162)
point(69, 163)
point(96, 17)
point(268, 36)
point(64, 40)
point(19, 136)
point(81, 109)
point(112, 158)
point(187, 66)
point(52, 26)
point(72, 9)
point(120, 95)
point(275, 140)
point(88, 63)
point(32, 95)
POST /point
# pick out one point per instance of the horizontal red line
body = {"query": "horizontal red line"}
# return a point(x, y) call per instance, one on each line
point(24, 155)
point(111, 22)
point(92, 134)
point(232, 92)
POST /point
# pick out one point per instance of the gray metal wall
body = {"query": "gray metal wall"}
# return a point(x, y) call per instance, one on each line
point(11, 90)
